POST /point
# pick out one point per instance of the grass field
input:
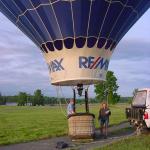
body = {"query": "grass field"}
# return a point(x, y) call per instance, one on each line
point(21, 124)
point(133, 143)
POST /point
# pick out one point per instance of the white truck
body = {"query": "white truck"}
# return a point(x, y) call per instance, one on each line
point(139, 112)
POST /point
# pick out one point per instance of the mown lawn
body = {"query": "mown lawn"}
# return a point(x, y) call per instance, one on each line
point(21, 124)
point(133, 143)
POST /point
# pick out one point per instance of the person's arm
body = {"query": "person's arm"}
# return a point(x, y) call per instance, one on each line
point(72, 109)
point(68, 109)
point(109, 113)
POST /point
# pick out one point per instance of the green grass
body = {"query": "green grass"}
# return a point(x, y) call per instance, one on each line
point(133, 143)
point(21, 124)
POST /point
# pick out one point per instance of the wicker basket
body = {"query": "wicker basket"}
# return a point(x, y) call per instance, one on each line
point(81, 126)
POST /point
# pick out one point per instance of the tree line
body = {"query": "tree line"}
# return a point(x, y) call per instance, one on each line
point(105, 91)
point(24, 98)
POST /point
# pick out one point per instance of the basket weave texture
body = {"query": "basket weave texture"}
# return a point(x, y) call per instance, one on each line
point(81, 126)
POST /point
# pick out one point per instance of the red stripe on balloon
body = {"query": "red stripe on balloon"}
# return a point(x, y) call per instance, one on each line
point(91, 67)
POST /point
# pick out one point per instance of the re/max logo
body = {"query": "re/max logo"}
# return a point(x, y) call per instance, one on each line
point(93, 62)
point(56, 65)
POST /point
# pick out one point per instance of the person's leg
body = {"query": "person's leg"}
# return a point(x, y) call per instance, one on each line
point(101, 126)
point(106, 128)
point(101, 129)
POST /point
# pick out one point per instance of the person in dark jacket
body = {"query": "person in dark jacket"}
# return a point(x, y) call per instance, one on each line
point(103, 118)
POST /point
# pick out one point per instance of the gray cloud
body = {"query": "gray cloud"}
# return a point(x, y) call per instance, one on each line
point(132, 49)
point(22, 66)
point(131, 62)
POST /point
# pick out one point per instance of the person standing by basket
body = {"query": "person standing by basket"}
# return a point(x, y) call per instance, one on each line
point(70, 108)
point(103, 118)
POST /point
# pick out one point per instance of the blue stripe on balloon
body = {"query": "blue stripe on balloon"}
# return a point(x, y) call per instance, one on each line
point(52, 24)
point(63, 13)
point(81, 9)
point(98, 12)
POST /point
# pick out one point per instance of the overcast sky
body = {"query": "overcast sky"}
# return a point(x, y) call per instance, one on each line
point(22, 67)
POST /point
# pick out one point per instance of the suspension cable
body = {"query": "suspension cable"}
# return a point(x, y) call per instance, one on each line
point(59, 101)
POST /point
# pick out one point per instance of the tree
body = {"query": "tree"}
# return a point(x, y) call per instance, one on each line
point(108, 89)
point(38, 98)
point(2, 100)
point(22, 99)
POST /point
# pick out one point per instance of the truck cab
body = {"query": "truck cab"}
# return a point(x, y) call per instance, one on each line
point(139, 112)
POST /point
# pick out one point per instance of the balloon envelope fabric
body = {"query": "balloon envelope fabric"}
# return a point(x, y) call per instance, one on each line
point(77, 37)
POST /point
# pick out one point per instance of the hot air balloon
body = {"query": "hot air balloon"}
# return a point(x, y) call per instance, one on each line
point(77, 37)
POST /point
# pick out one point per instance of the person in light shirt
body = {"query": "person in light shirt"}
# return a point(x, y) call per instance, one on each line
point(70, 107)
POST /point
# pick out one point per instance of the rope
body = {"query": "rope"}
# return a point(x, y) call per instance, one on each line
point(63, 95)
point(59, 101)
point(60, 95)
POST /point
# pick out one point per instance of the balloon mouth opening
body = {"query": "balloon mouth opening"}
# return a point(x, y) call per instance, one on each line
point(79, 42)
point(76, 82)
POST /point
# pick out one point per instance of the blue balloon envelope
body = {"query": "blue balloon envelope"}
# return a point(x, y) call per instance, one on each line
point(77, 37)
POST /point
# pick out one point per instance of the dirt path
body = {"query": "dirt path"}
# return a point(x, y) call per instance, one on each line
point(115, 133)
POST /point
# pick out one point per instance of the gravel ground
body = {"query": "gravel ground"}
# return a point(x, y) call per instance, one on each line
point(115, 133)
